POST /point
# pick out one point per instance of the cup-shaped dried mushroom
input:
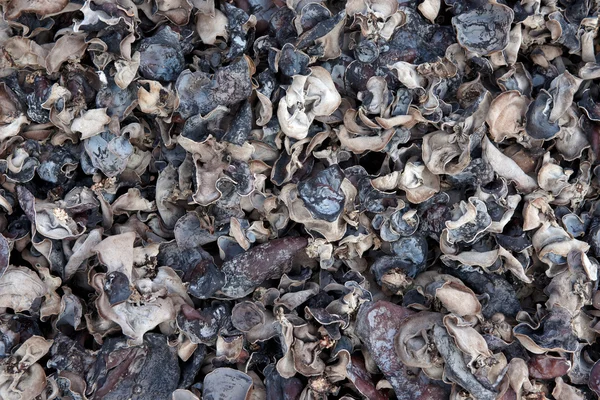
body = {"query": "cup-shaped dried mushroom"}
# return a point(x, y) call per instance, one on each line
point(322, 195)
point(552, 333)
point(307, 97)
point(412, 342)
point(21, 377)
point(443, 153)
point(468, 221)
point(506, 118)
point(539, 123)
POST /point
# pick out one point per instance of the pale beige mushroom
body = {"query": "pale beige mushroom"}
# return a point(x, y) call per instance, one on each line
point(506, 117)
point(307, 97)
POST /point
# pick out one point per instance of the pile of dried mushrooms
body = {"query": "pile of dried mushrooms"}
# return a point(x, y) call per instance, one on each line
point(299, 200)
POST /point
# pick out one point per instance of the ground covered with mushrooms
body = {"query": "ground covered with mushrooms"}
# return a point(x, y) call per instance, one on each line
point(300, 200)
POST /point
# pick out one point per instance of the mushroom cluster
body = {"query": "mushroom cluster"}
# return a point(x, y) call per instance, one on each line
point(300, 200)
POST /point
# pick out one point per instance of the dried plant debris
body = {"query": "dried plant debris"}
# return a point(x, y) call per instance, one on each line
point(300, 200)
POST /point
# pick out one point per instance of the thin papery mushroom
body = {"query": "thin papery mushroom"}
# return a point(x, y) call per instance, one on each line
point(69, 47)
point(19, 166)
point(177, 11)
point(408, 75)
point(21, 377)
point(231, 349)
point(443, 153)
point(12, 116)
point(430, 9)
point(456, 297)
point(396, 223)
point(418, 182)
point(353, 296)
point(108, 153)
point(295, 297)
point(137, 305)
point(571, 140)
point(376, 97)
point(160, 56)
point(361, 144)
point(181, 394)
point(329, 42)
point(165, 196)
point(42, 8)
point(158, 100)
point(553, 244)
point(116, 253)
point(489, 258)
point(543, 55)
point(132, 201)
point(468, 221)
point(356, 372)
point(127, 70)
point(51, 302)
point(537, 210)
point(563, 88)
point(467, 339)
point(306, 353)
point(573, 193)
point(506, 118)
point(151, 187)
point(564, 391)
point(91, 123)
point(552, 177)
point(540, 124)
point(202, 326)
point(504, 206)
point(285, 365)
point(308, 97)
point(210, 27)
point(516, 379)
point(382, 9)
point(20, 288)
point(562, 31)
point(590, 70)
point(412, 342)
point(137, 315)
point(209, 165)
point(322, 195)
point(72, 361)
point(255, 321)
point(455, 368)
point(507, 168)
point(552, 333)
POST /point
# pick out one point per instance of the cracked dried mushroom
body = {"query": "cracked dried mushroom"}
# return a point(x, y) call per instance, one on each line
point(299, 200)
